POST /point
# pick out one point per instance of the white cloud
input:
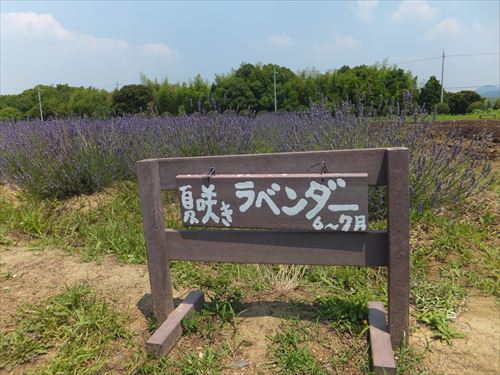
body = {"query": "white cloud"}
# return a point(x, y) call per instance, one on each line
point(159, 49)
point(341, 41)
point(279, 40)
point(65, 56)
point(35, 25)
point(478, 27)
point(449, 27)
point(335, 47)
point(365, 8)
point(413, 9)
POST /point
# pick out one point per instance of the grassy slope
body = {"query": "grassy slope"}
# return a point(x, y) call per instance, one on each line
point(453, 254)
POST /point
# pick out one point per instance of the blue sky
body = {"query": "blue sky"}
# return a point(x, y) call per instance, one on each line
point(98, 44)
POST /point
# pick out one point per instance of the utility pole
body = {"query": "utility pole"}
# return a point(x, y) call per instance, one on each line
point(442, 77)
point(275, 101)
point(40, 103)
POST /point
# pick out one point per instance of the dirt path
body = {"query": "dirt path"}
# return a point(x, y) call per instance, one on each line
point(479, 351)
point(31, 276)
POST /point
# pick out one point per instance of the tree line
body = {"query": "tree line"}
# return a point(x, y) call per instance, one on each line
point(248, 89)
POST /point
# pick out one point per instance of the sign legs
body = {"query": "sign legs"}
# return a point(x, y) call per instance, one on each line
point(154, 234)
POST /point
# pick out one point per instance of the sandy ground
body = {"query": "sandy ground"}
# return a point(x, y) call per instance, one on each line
point(478, 352)
point(34, 276)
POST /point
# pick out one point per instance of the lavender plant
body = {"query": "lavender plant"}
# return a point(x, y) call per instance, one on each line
point(441, 172)
point(60, 158)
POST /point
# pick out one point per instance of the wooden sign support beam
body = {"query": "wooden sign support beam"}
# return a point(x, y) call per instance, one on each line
point(165, 337)
point(380, 340)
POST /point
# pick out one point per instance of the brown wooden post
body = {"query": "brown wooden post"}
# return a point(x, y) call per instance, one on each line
point(154, 234)
point(398, 193)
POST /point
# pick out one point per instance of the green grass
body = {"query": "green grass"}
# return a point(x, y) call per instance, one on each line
point(80, 332)
point(208, 361)
point(470, 116)
point(453, 255)
point(114, 227)
point(289, 351)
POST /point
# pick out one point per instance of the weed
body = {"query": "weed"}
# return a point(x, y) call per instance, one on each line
point(436, 303)
point(345, 314)
point(210, 320)
point(409, 359)
point(355, 351)
point(442, 330)
point(289, 352)
point(280, 278)
point(151, 366)
point(207, 362)
point(81, 329)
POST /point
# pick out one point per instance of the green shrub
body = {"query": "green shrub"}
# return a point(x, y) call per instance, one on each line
point(9, 113)
point(443, 108)
point(475, 106)
point(459, 101)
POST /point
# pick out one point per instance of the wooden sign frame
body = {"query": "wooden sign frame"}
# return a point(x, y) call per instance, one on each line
point(390, 248)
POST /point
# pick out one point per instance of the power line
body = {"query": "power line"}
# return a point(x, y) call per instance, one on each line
point(417, 60)
point(474, 54)
point(452, 55)
point(468, 87)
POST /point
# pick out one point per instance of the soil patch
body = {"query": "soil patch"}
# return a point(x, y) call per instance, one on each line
point(31, 276)
point(469, 128)
point(478, 352)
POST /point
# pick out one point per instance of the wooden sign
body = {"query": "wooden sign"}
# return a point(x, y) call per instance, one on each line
point(317, 219)
point(314, 202)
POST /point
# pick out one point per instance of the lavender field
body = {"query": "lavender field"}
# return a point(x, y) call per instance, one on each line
point(65, 157)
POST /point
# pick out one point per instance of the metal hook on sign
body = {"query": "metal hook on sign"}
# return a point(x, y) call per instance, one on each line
point(324, 169)
point(210, 173)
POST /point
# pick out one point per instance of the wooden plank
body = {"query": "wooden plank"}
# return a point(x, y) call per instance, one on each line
point(165, 337)
point(398, 223)
point(380, 340)
point(312, 201)
point(370, 161)
point(278, 247)
point(156, 249)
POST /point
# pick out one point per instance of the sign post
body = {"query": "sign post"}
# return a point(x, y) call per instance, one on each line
point(313, 218)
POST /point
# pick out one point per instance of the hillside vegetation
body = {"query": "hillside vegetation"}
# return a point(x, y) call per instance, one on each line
point(248, 89)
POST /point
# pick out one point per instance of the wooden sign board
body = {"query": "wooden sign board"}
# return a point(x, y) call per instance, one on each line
point(308, 202)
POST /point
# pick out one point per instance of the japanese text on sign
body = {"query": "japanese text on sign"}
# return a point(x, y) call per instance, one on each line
point(336, 202)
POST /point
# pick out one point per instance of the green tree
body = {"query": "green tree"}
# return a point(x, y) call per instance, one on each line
point(90, 102)
point(430, 94)
point(131, 99)
point(9, 113)
point(460, 101)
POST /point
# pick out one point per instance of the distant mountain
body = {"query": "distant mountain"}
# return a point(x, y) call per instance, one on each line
point(489, 91)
